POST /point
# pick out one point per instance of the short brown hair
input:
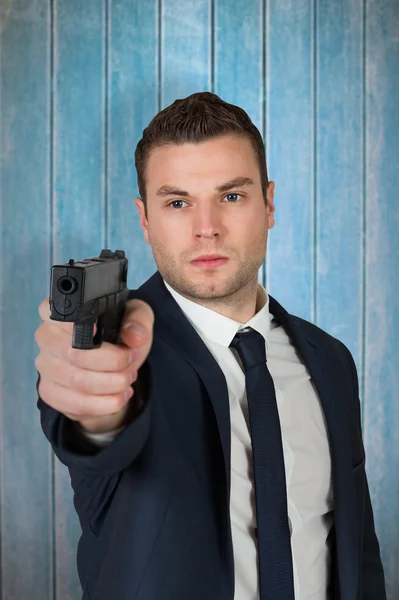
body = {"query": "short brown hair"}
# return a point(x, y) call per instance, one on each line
point(197, 118)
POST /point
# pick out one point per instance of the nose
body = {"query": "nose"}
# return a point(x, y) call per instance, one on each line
point(206, 222)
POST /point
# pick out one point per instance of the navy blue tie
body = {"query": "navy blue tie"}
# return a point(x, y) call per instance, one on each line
point(273, 532)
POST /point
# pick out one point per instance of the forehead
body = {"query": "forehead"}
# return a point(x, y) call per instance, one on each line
point(221, 159)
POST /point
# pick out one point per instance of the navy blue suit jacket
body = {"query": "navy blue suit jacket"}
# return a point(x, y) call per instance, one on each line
point(154, 504)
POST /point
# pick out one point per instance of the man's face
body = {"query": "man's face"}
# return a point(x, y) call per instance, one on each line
point(189, 216)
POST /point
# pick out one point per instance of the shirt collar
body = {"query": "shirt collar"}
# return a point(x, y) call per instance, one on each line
point(218, 328)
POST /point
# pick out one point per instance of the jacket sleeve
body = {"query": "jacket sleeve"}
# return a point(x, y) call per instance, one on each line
point(372, 572)
point(373, 580)
point(78, 453)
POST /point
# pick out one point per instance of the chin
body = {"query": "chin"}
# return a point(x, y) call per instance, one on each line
point(211, 288)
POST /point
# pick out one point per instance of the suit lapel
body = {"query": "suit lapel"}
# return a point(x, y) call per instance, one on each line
point(331, 395)
point(173, 326)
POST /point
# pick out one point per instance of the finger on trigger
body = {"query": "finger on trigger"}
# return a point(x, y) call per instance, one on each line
point(44, 310)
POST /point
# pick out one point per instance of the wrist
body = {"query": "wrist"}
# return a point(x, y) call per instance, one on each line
point(106, 423)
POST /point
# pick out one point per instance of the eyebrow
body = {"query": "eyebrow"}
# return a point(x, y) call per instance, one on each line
point(167, 190)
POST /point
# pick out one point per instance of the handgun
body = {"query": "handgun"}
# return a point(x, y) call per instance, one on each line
point(91, 291)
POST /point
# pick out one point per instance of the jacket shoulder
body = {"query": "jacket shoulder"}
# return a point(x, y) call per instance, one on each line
point(318, 334)
point(329, 343)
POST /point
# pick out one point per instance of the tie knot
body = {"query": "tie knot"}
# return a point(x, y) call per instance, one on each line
point(250, 346)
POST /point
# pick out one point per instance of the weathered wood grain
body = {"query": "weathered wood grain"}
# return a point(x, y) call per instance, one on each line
point(78, 199)
point(133, 93)
point(339, 172)
point(381, 406)
point(185, 60)
point(290, 145)
point(26, 476)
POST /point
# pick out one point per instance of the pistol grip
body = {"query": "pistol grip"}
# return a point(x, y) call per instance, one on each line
point(82, 336)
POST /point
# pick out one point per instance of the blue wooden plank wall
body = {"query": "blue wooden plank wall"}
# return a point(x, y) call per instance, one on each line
point(78, 82)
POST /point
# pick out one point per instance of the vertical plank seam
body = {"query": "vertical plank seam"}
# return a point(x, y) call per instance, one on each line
point(106, 208)
point(364, 211)
point(314, 38)
point(212, 39)
point(262, 104)
point(53, 547)
point(2, 337)
point(159, 37)
point(265, 40)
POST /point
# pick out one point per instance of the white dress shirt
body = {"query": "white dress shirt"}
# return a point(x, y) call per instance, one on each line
point(305, 447)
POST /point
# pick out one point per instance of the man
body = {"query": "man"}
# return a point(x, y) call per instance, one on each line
point(236, 469)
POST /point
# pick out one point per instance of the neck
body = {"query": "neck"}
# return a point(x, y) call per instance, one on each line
point(241, 307)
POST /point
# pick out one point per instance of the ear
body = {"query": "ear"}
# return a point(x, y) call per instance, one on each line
point(270, 204)
point(143, 219)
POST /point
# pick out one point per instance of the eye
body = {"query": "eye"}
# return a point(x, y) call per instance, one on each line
point(176, 202)
point(233, 196)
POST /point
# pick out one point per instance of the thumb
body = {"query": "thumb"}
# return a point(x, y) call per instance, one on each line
point(137, 324)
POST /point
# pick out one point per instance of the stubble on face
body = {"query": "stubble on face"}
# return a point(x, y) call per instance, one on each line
point(231, 288)
point(238, 232)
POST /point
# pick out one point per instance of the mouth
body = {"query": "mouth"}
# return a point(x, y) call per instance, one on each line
point(209, 262)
